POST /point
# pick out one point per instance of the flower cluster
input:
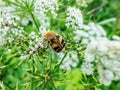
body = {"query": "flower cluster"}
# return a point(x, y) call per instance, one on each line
point(15, 33)
point(8, 20)
point(105, 56)
point(83, 3)
point(7, 17)
point(1, 85)
point(36, 42)
point(115, 37)
point(44, 6)
point(3, 33)
point(70, 61)
point(12, 32)
point(89, 33)
point(84, 33)
point(74, 18)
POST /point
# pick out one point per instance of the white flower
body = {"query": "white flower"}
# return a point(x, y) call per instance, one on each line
point(81, 33)
point(42, 7)
point(32, 35)
point(83, 3)
point(87, 68)
point(74, 18)
point(37, 42)
point(8, 24)
point(10, 39)
point(9, 17)
point(25, 22)
point(117, 75)
point(89, 32)
point(1, 40)
point(106, 76)
point(1, 84)
point(115, 37)
point(70, 61)
point(17, 31)
point(103, 53)
point(46, 5)
point(9, 50)
point(42, 31)
point(90, 51)
point(24, 57)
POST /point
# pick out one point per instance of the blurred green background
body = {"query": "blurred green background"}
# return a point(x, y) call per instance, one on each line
point(104, 12)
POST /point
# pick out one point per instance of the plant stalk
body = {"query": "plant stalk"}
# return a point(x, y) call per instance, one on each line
point(35, 22)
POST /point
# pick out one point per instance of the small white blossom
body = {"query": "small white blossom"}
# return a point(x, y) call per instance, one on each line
point(9, 50)
point(36, 42)
point(25, 22)
point(8, 24)
point(106, 76)
point(24, 57)
point(87, 68)
point(46, 5)
point(1, 40)
point(117, 75)
point(70, 61)
point(74, 18)
point(89, 33)
point(83, 3)
point(42, 7)
point(8, 17)
point(10, 39)
point(1, 84)
point(115, 37)
point(105, 56)
point(42, 31)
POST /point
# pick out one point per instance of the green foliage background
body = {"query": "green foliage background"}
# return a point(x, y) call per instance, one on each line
point(43, 72)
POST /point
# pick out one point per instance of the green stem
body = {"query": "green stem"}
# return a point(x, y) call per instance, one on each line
point(51, 22)
point(32, 79)
point(8, 86)
point(51, 59)
point(56, 67)
point(45, 85)
point(107, 21)
point(35, 22)
point(58, 19)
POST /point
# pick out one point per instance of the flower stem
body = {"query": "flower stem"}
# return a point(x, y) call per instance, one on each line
point(58, 19)
point(33, 70)
point(35, 22)
point(10, 88)
point(56, 67)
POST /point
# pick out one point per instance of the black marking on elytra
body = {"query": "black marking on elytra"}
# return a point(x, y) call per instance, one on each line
point(57, 49)
point(51, 42)
point(63, 42)
point(57, 36)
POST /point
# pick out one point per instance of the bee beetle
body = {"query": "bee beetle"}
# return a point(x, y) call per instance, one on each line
point(56, 42)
